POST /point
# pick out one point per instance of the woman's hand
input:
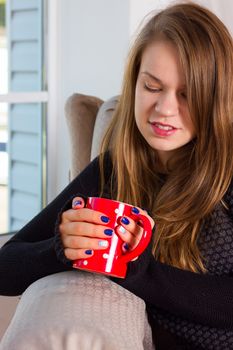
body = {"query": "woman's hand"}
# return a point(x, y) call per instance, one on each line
point(130, 231)
point(84, 230)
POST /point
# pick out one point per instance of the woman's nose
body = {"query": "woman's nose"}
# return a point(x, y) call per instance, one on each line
point(167, 105)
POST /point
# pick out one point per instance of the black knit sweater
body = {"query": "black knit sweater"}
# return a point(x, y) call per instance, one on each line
point(197, 308)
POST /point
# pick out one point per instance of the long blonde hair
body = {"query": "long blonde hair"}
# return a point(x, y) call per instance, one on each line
point(201, 173)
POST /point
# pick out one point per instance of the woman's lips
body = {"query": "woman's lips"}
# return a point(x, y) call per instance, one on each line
point(161, 129)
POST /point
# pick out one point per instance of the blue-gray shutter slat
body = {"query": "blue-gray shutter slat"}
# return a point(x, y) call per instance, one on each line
point(25, 120)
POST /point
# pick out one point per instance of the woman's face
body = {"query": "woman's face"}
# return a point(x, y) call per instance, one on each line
point(161, 108)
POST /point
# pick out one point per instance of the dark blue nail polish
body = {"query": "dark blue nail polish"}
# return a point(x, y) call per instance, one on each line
point(77, 203)
point(108, 232)
point(105, 219)
point(125, 221)
point(126, 246)
point(88, 252)
point(135, 210)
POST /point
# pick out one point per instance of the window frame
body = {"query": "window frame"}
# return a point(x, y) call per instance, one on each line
point(48, 96)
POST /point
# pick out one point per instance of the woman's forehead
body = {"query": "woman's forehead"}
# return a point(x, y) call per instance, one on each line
point(160, 61)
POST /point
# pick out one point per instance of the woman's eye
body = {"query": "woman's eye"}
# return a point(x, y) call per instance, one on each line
point(151, 89)
point(183, 95)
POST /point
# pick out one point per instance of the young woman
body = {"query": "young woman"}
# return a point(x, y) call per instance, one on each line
point(169, 150)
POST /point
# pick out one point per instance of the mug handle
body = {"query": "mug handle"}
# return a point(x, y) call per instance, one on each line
point(143, 243)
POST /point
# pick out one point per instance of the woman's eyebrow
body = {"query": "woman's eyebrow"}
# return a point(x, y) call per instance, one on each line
point(159, 81)
point(153, 77)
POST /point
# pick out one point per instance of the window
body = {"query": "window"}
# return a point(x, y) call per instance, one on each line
point(23, 102)
point(3, 122)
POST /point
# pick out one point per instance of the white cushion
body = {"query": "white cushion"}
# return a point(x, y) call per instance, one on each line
point(78, 310)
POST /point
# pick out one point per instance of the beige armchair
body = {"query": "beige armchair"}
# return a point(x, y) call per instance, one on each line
point(87, 119)
point(71, 310)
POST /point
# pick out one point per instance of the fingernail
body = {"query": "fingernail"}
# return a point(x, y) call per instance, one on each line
point(135, 210)
point(122, 229)
point(108, 232)
point(104, 219)
point(76, 203)
point(125, 221)
point(126, 246)
point(103, 244)
point(88, 251)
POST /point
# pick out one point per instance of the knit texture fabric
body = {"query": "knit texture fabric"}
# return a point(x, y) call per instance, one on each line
point(216, 244)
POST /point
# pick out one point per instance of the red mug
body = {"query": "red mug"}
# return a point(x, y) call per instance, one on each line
point(112, 260)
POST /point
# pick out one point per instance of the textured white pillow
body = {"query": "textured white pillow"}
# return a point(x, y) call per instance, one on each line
point(78, 311)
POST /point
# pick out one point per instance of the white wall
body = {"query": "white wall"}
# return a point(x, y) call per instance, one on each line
point(222, 8)
point(139, 9)
point(93, 39)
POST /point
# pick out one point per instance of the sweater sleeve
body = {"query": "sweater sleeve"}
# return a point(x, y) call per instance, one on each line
point(200, 298)
point(30, 254)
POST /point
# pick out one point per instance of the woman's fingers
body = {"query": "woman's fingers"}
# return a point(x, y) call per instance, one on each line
point(73, 254)
point(84, 215)
point(130, 230)
point(80, 213)
point(81, 242)
point(76, 247)
point(137, 210)
point(84, 230)
point(78, 202)
point(87, 229)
